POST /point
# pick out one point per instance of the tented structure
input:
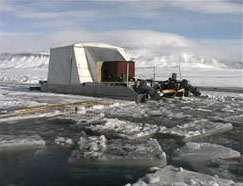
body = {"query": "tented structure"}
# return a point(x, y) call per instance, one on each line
point(79, 63)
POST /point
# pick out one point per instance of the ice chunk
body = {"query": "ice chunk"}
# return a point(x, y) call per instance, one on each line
point(63, 141)
point(172, 176)
point(124, 129)
point(207, 150)
point(236, 120)
point(150, 178)
point(98, 107)
point(98, 147)
point(20, 141)
point(206, 158)
point(197, 129)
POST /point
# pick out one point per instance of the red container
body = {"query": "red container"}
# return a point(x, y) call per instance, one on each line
point(122, 68)
point(117, 70)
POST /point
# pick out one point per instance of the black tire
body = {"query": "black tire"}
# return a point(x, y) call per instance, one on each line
point(141, 98)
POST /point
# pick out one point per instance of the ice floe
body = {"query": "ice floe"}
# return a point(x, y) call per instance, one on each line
point(197, 129)
point(208, 158)
point(115, 128)
point(63, 141)
point(180, 177)
point(101, 148)
point(20, 141)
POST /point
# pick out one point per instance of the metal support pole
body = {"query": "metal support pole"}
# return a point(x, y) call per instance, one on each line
point(154, 73)
point(154, 69)
point(180, 68)
point(180, 71)
point(127, 72)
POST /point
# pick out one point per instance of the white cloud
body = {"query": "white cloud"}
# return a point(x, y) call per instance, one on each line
point(57, 16)
point(203, 6)
point(50, 15)
point(208, 6)
point(37, 13)
point(126, 38)
point(141, 8)
point(151, 42)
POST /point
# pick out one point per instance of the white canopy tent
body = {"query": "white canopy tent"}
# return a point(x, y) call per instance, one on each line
point(78, 63)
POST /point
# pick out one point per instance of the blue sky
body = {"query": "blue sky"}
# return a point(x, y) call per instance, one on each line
point(213, 22)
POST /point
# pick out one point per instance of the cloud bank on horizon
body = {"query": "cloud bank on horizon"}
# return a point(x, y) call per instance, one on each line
point(207, 28)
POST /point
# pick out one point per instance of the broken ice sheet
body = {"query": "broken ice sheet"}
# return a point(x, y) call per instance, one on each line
point(208, 158)
point(180, 177)
point(197, 129)
point(236, 120)
point(101, 148)
point(125, 129)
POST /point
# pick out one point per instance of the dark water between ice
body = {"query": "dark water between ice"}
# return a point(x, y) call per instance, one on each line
point(49, 167)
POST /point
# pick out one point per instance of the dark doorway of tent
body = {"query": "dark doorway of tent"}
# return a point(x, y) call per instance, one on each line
point(117, 71)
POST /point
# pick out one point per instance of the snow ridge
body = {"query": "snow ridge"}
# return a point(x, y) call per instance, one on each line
point(24, 61)
point(143, 58)
point(146, 57)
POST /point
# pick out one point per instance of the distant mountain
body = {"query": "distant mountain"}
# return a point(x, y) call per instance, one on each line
point(142, 58)
point(233, 64)
point(23, 61)
point(184, 60)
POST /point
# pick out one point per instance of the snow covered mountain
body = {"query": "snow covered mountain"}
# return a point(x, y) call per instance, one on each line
point(183, 60)
point(30, 68)
point(23, 67)
point(23, 61)
point(143, 58)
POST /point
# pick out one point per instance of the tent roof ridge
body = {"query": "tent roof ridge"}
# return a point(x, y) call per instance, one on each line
point(103, 45)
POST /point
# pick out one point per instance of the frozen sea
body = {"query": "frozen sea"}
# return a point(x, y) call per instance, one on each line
point(49, 166)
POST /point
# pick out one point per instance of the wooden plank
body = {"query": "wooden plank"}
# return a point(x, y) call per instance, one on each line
point(48, 108)
point(169, 91)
